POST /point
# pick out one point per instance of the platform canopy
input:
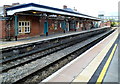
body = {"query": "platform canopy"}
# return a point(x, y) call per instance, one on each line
point(46, 9)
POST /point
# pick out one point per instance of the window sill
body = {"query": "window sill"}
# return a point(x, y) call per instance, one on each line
point(27, 33)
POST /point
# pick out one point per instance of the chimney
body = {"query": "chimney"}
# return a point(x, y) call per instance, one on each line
point(13, 4)
point(75, 9)
point(64, 6)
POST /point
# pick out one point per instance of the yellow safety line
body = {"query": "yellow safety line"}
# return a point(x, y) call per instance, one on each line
point(102, 74)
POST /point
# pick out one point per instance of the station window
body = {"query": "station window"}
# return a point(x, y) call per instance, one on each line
point(60, 25)
point(24, 27)
point(55, 25)
point(81, 24)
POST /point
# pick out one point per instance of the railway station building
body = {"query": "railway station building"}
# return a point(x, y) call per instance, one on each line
point(29, 20)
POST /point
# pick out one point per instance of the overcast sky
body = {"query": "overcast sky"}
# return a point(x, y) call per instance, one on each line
point(89, 7)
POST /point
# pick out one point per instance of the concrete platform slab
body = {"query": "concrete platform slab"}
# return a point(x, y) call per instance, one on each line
point(82, 68)
point(112, 74)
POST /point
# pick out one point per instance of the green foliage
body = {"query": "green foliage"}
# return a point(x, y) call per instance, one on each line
point(113, 24)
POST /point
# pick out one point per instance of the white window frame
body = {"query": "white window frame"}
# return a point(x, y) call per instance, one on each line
point(55, 25)
point(25, 26)
point(60, 25)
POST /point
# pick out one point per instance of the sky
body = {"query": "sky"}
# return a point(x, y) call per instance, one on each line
point(89, 7)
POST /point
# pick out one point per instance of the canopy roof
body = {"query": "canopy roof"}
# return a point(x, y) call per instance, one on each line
point(46, 9)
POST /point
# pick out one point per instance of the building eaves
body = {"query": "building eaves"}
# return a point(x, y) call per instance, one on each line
point(50, 8)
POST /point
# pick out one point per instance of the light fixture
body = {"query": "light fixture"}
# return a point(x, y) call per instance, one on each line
point(34, 12)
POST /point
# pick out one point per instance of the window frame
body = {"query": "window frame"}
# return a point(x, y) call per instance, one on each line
point(55, 25)
point(23, 26)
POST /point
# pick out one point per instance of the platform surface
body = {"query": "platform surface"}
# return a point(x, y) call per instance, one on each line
point(5, 44)
point(83, 67)
point(113, 72)
point(38, 38)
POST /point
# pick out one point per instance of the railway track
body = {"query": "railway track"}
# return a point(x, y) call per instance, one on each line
point(25, 59)
point(31, 48)
point(12, 61)
point(47, 45)
point(37, 66)
point(21, 60)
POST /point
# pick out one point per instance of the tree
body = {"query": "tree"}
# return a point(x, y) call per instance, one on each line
point(113, 24)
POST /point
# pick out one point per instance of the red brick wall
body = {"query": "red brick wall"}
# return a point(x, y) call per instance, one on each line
point(2, 29)
point(51, 29)
point(105, 24)
point(108, 23)
point(41, 21)
point(12, 31)
point(87, 25)
point(35, 26)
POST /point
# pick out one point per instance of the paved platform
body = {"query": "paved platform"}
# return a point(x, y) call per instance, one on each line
point(5, 44)
point(83, 67)
point(39, 38)
point(113, 72)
